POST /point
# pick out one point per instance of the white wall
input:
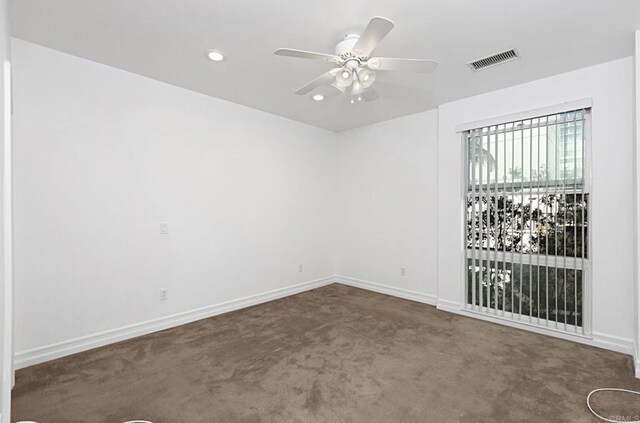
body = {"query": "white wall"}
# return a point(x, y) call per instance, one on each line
point(610, 85)
point(102, 156)
point(636, 168)
point(387, 205)
point(6, 295)
point(394, 182)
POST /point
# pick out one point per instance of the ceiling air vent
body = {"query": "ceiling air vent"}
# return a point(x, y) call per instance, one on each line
point(495, 59)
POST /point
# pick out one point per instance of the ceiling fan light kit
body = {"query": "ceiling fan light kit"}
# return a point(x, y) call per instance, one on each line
point(354, 70)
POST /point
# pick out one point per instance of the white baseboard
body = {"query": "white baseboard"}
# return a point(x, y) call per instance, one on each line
point(449, 306)
point(614, 343)
point(83, 343)
point(72, 346)
point(386, 289)
point(600, 340)
point(596, 339)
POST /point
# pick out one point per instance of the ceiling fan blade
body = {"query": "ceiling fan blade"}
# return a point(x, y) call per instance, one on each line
point(377, 29)
point(325, 78)
point(405, 65)
point(302, 54)
point(370, 94)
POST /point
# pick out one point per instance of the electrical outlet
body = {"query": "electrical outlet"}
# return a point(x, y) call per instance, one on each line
point(164, 228)
point(403, 271)
point(300, 268)
point(164, 294)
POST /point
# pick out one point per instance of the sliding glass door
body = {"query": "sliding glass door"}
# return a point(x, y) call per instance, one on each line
point(527, 220)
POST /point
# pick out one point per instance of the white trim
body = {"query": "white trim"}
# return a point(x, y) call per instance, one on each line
point(386, 289)
point(601, 340)
point(446, 305)
point(579, 263)
point(584, 103)
point(636, 211)
point(7, 377)
point(83, 343)
point(72, 346)
point(596, 339)
point(613, 343)
point(636, 361)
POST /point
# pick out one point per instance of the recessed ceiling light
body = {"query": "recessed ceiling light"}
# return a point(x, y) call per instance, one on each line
point(215, 55)
point(318, 97)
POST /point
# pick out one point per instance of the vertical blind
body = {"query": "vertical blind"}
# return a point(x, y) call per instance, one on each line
point(527, 214)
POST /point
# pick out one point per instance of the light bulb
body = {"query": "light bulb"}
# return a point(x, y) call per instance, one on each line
point(344, 78)
point(366, 77)
point(215, 55)
point(356, 88)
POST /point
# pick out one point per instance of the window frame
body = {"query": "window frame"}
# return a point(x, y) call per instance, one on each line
point(560, 262)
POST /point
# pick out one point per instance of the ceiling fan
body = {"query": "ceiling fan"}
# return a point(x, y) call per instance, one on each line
point(355, 71)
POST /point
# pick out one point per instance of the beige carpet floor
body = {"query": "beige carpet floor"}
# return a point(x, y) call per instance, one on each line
point(334, 354)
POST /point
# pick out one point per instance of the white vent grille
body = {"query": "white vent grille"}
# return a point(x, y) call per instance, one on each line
point(495, 59)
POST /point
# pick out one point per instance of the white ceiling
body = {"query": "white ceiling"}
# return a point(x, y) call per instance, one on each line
point(166, 40)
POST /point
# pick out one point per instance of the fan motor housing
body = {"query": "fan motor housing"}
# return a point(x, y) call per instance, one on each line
point(345, 46)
